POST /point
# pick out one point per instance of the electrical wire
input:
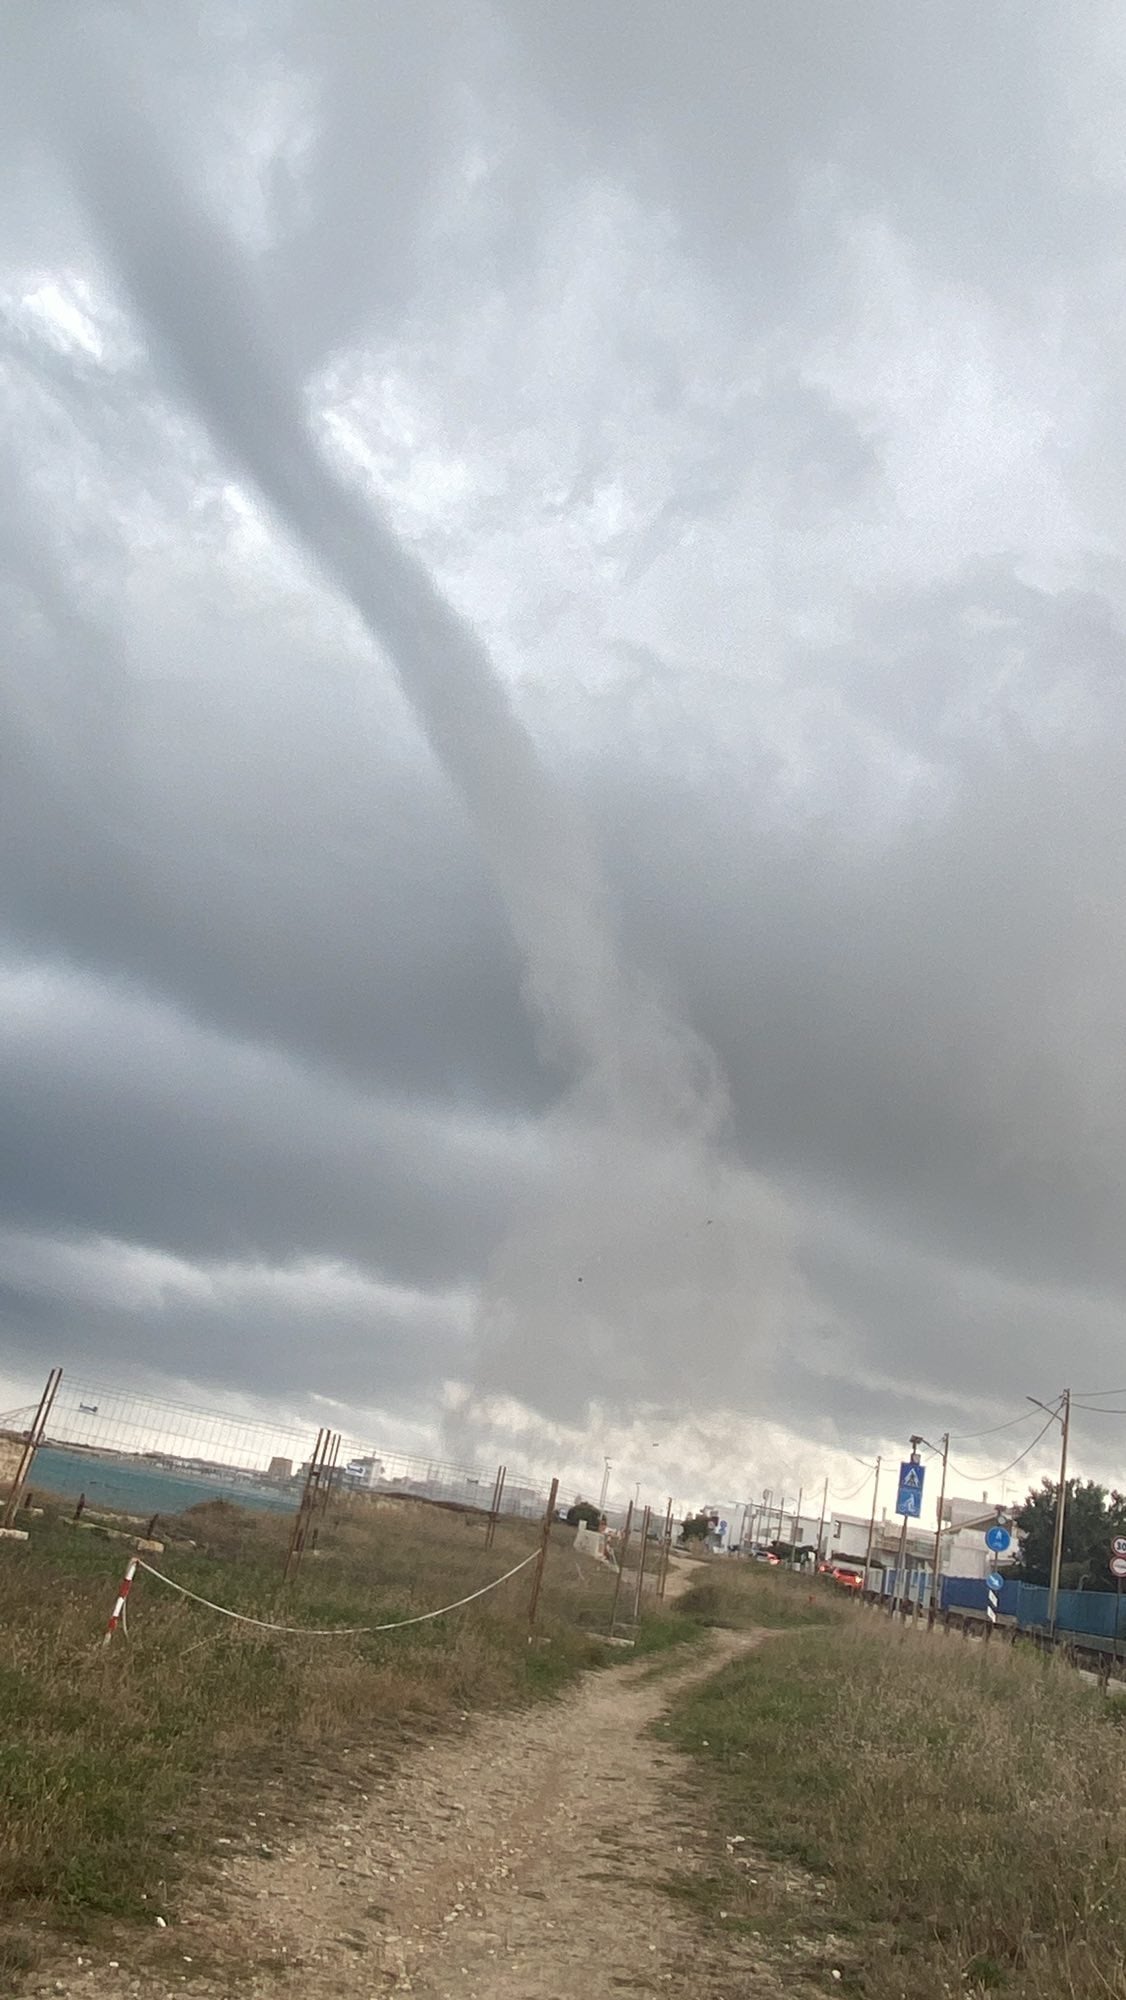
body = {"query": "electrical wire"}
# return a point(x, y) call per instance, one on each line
point(1099, 1409)
point(932, 1452)
point(1001, 1470)
point(846, 1497)
point(967, 1437)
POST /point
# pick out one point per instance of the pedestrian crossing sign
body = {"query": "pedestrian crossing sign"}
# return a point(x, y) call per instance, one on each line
point(909, 1500)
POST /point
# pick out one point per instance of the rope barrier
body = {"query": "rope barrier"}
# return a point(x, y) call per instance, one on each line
point(333, 1631)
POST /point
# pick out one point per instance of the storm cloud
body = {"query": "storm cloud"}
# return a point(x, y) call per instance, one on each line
point(563, 717)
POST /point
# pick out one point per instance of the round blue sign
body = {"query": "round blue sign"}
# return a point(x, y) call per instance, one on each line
point(998, 1539)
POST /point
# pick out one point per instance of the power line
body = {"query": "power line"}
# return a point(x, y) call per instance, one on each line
point(987, 1476)
point(967, 1437)
point(846, 1497)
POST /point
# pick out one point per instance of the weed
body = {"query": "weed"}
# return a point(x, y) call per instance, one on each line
point(744, 1596)
point(119, 1768)
point(903, 1797)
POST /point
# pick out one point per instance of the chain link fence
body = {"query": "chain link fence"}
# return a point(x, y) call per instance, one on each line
point(132, 1453)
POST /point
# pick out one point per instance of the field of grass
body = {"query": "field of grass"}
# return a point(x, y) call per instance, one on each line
point(120, 1767)
point(745, 1595)
point(904, 1815)
point(919, 1816)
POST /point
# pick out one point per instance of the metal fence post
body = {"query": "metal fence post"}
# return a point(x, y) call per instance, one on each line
point(666, 1552)
point(621, 1566)
point(537, 1574)
point(494, 1510)
point(31, 1445)
point(641, 1566)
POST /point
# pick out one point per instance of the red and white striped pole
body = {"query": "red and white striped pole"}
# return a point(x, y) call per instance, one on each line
point(123, 1592)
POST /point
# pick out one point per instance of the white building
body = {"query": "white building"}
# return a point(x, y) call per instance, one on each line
point(964, 1548)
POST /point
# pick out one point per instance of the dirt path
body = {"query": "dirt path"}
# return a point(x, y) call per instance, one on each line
point(520, 1862)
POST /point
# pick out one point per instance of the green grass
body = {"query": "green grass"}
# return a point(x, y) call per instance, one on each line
point(925, 1818)
point(120, 1766)
point(744, 1596)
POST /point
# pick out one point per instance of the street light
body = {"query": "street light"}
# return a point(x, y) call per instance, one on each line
point(605, 1486)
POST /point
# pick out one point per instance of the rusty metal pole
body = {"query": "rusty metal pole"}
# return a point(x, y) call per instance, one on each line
point(641, 1567)
point(31, 1445)
point(494, 1511)
point(333, 1464)
point(324, 1492)
point(537, 1573)
point(666, 1552)
point(305, 1507)
point(622, 1552)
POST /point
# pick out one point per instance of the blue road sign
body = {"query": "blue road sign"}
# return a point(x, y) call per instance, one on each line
point(998, 1539)
point(910, 1496)
point(994, 1581)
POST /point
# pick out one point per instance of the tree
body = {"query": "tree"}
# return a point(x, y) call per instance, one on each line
point(1092, 1519)
point(696, 1528)
point(583, 1514)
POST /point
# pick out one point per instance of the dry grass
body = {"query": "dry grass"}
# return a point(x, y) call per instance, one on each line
point(742, 1594)
point(119, 1767)
point(925, 1817)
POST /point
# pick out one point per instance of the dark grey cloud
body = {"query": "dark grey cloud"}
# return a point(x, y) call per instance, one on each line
point(717, 408)
point(115, 1106)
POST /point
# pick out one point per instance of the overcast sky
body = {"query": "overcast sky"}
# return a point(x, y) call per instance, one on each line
point(562, 777)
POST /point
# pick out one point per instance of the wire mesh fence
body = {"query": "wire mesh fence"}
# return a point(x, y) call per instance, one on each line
point(132, 1453)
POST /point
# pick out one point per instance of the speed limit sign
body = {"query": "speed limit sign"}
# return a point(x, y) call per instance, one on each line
point(1118, 1546)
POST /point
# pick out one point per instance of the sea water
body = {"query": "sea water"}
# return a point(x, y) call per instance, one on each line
point(122, 1486)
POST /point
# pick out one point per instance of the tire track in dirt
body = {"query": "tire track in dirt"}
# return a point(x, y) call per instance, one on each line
point(522, 1861)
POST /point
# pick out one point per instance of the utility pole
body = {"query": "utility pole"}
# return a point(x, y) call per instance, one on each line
point(796, 1536)
point(1062, 1415)
point(605, 1486)
point(872, 1526)
point(821, 1522)
point(938, 1531)
point(900, 1604)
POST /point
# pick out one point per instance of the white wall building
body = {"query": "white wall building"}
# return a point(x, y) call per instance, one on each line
point(964, 1550)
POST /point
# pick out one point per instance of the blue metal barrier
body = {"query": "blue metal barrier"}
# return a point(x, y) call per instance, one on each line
point(1086, 1613)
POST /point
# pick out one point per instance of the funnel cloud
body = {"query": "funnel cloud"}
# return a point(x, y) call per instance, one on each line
point(563, 721)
